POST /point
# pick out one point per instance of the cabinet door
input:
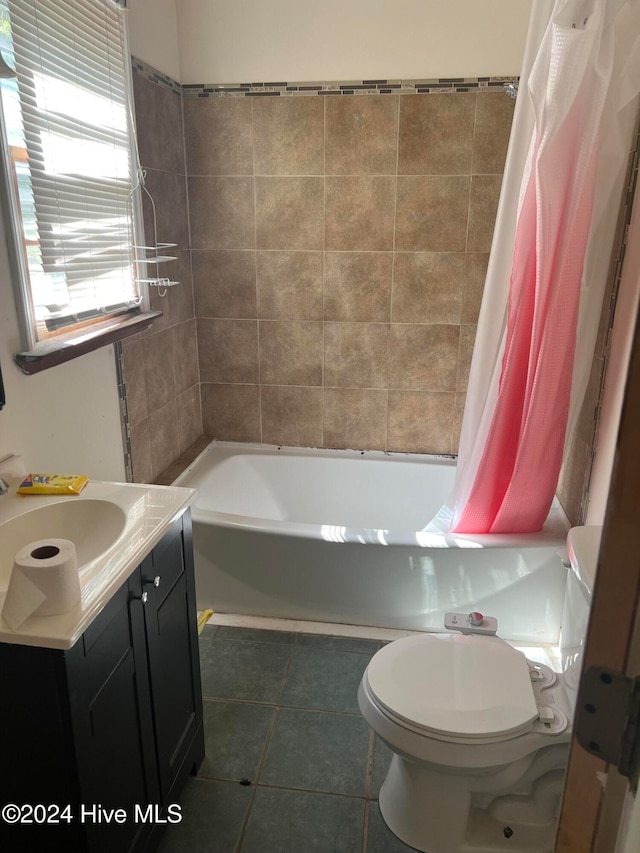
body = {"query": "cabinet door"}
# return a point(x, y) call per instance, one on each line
point(172, 641)
point(113, 727)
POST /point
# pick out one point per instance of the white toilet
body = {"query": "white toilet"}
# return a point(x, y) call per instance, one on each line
point(480, 735)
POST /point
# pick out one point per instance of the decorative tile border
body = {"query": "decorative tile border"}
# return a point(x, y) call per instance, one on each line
point(150, 73)
point(347, 87)
point(341, 87)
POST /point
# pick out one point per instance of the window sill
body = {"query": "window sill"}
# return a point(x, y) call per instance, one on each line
point(56, 351)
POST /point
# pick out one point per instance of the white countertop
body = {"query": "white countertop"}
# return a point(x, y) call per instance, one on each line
point(149, 511)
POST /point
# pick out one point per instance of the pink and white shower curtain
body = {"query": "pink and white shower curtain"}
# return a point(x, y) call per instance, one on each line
point(547, 271)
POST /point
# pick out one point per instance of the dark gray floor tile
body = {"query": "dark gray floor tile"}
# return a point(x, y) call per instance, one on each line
point(251, 671)
point(292, 821)
point(321, 679)
point(254, 635)
point(205, 638)
point(381, 759)
point(339, 644)
point(380, 839)
point(235, 735)
point(318, 752)
point(213, 816)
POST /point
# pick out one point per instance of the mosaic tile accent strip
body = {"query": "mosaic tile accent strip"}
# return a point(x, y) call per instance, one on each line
point(148, 71)
point(318, 87)
point(346, 87)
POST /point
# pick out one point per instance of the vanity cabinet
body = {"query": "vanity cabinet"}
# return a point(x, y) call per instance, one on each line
point(113, 723)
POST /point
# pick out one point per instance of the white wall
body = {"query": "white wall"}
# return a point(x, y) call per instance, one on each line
point(153, 34)
point(244, 41)
point(65, 419)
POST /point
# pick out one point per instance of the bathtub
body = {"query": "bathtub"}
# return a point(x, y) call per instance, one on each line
point(338, 536)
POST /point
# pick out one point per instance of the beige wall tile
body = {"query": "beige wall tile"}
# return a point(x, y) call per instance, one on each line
point(134, 379)
point(231, 412)
point(289, 285)
point(465, 352)
point(224, 283)
point(483, 204)
point(431, 214)
point(218, 136)
point(426, 287)
point(222, 213)
point(159, 125)
point(290, 352)
point(436, 134)
point(288, 136)
point(475, 273)
point(424, 357)
point(458, 413)
point(228, 350)
point(141, 452)
point(163, 438)
point(494, 115)
point(572, 479)
point(291, 416)
point(189, 417)
point(158, 370)
point(357, 286)
point(177, 303)
point(289, 213)
point(355, 419)
point(169, 193)
point(359, 213)
point(420, 421)
point(361, 135)
point(185, 355)
point(356, 355)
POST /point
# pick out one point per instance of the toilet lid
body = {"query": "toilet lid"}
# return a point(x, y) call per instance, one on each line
point(459, 685)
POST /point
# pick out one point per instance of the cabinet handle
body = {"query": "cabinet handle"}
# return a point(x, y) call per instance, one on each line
point(143, 598)
point(155, 581)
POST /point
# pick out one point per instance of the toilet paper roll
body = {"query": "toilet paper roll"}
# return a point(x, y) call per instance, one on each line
point(44, 581)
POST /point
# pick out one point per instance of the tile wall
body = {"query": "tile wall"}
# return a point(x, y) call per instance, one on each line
point(339, 247)
point(161, 366)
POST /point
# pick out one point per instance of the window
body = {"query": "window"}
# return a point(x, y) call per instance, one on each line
point(69, 176)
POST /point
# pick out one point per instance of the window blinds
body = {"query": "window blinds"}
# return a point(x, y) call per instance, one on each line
point(70, 61)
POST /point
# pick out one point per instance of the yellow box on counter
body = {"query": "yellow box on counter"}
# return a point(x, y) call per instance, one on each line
point(52, 484)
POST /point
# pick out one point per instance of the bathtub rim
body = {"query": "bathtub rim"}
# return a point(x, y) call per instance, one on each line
point(553, 532)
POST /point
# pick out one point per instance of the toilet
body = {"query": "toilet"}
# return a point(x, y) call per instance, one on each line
point(480, 734)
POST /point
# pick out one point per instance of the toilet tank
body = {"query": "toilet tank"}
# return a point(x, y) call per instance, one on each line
point(583, 544)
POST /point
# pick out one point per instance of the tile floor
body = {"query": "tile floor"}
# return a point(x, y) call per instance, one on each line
point(280, 710)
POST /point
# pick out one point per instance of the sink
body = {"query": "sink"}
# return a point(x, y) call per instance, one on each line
point(92, 525)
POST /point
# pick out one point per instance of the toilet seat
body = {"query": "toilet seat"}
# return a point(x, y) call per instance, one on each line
point(454, 687)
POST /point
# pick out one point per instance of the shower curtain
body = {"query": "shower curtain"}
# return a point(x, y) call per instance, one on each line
point(548, 266)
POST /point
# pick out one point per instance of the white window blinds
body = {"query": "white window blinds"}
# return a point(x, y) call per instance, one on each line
point(69, 137)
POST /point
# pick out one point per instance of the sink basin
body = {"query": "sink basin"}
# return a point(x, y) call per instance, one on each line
point(92, 525)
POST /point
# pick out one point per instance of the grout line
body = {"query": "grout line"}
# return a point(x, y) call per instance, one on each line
point(365, 827)
point(324, 257)
point(255, 260)
point(246, 820)
point(393, 271)
point(370, 763)
point(286, 674)
point(281, 707)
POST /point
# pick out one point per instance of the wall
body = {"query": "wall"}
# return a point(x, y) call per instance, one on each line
point(65, 419)
point(339, 247)
point(160, 365)
point(583, 485)
point(226, 41)
point(620, 348)
point(153, 37)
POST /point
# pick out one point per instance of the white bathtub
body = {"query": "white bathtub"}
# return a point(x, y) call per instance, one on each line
point(337, 536)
